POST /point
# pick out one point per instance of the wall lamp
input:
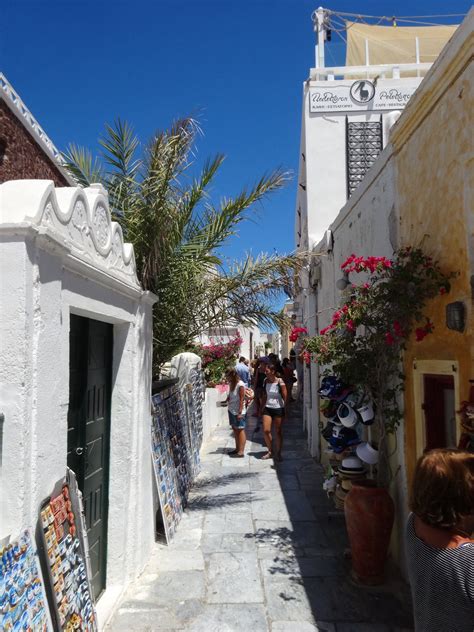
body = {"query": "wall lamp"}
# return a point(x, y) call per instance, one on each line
point(456, 316)
point(343, 282)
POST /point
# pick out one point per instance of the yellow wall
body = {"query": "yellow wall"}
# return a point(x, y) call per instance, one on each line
point(435, 171)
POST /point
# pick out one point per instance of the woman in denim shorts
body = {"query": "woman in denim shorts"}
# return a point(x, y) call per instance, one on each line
point(236, 411)
point(274, 402)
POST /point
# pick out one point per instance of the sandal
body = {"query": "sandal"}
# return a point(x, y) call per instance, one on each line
point(266, 456)
point(231, 452)
point(236, 455)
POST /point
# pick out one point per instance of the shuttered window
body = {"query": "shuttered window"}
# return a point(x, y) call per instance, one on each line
point(363, 146)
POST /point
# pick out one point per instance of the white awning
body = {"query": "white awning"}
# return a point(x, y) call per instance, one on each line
point(394, 44)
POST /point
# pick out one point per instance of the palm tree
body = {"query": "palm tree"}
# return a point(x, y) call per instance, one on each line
point(177, 233)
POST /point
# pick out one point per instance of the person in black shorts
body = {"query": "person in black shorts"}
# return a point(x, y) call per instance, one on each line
point(275, 399)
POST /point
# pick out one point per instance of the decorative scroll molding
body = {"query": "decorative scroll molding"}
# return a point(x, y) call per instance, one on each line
point(77, 218)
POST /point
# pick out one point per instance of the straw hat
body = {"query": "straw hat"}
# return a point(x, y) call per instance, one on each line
point(346, 484)
point(351, 466)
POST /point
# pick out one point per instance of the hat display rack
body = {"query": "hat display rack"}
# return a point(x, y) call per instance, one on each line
point(349, 414)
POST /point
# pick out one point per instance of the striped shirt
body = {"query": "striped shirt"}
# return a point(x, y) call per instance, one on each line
point(442, 585)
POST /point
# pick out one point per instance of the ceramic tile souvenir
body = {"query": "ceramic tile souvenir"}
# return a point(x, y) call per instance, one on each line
point(23, 604)
point(67, 571)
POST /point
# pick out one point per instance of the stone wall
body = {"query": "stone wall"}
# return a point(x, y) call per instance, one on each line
point(20, 155)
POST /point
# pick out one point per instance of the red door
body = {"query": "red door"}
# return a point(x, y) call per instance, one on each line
point(439, 410)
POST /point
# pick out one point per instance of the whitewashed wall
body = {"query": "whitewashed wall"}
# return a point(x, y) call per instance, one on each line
point(61, 255)
point(322, 185)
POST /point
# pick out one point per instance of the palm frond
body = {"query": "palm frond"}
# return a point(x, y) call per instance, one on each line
point(82, 166)
point(120, 144)
point(218, 224)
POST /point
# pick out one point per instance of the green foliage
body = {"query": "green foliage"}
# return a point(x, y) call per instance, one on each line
point(177, 233)
point(363, 344)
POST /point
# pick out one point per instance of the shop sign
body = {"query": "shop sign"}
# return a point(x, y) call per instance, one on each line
point(361, 95)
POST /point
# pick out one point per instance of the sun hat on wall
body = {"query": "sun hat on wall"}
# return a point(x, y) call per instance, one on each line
point(367, 453)
point(347, 415)
point(366, 413)
point(345, 438)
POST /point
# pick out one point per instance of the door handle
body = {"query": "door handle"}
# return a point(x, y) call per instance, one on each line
point(79, 451)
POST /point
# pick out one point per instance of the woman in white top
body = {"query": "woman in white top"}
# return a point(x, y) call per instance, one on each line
point(274, 403)
point(236, 410)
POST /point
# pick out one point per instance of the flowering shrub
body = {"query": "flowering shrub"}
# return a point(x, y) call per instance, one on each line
point(217, 357)
point(296, 333)
point(366, 336)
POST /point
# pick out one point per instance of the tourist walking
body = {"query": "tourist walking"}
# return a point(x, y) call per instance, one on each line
point(440, 547)
point(236, 411)
point(258, 388)
point(275, 398)
point(243, 371)
point(288, 377)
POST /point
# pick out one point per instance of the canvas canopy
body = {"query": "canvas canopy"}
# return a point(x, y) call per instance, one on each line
point(394, 44)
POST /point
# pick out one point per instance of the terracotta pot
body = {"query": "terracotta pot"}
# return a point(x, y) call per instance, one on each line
point(369, 512)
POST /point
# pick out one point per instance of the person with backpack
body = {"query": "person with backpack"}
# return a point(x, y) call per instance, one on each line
point(275, 398)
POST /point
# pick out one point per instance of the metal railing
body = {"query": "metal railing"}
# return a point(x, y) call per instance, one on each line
point(383, 71)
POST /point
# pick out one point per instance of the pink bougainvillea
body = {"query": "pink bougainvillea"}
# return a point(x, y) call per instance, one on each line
point(306, 358)
point(422, 332)
point(366, 264)
point(218, 350)
point(365, 339)
point(296, 333)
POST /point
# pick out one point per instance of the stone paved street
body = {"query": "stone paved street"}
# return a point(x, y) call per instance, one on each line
point(259, 548)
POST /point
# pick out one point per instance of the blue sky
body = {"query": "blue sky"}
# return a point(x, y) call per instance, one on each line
point(238, 66)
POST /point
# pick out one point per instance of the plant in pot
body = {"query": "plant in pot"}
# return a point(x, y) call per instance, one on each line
point(363, 347)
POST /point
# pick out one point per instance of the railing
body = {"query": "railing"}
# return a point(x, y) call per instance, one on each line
point(383, 71)
point(27, 117)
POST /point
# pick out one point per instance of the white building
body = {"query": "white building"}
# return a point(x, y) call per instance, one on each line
point(353, 199)
point(75, 373)
point(346, 119)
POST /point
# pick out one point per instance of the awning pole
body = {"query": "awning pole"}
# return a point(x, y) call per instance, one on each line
point(320, 28)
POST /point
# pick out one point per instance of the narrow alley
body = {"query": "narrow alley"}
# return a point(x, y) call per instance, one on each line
point(260, 547)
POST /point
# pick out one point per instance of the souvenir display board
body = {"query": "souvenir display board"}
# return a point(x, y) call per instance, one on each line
point(23, 603)
point(178, 433)
point(65, 553)
point(198, 392)
point(164, 465)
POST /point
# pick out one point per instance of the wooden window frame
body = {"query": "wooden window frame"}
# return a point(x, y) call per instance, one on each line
point(432, 367)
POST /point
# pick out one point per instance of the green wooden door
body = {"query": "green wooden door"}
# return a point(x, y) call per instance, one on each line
point(89, 431)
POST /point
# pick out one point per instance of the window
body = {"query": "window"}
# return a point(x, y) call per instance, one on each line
point(363, 146)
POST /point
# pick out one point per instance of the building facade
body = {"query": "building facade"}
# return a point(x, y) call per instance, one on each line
point(419, 167)
point(76, 344)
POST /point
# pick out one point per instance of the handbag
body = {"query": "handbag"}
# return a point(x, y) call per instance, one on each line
point(249, 394)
